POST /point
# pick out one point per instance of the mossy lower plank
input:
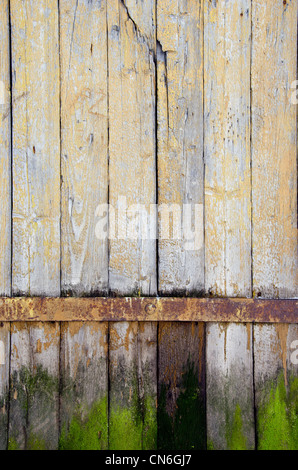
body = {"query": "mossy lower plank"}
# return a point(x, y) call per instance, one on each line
point(133, 386)
point(276, 387)
point(4, 382)
point(230, 397)
point(84, 380)
point(181, 386)
point(34, 393)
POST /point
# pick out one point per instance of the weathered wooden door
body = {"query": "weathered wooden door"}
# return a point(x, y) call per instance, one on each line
point(148, 150)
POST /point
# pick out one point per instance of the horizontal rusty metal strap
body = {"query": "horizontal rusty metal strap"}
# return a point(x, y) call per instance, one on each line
point(148, 309)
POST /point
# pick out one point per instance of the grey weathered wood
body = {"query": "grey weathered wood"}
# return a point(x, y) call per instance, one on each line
point(84, 133)
point(274, 150)
point(5, 152)
point(4, 382)
point(84, 386)
point(36, 148)
point(34, 393)
point(180, 143)
point(227, 45)
point(230, 394)
point(276, 381)
point(132, 172)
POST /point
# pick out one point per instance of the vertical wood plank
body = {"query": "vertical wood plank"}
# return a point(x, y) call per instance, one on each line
point(274, 199)
point(181, 412)
point(5, 152)
point(34, 394)
point(276, 386)
point(132, 254)
point(132, 169)
point(230, 394)
point(84, 380)
point(227, 56)
point(227, 29)
point(180, 144)
point(4, 382)
point(133, 394)
point(84, 129)
point(274, 153)
point(36, 148)
point(181, 386)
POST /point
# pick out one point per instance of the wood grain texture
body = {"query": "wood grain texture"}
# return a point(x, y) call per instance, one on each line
point(84, 386)
point(274, 165)
point(84, 129)
point(227, 29)
point(4, 382)
point(230, 394)
point(180, 144)
point(34, 393)
point(5, 152)
point(227, 58)
point(133, 386)
point(181, 386)
point(276, 385)
point(36, 148)
point(131, 152)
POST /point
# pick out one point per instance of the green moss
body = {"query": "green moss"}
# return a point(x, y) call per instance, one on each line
point(150, 424)
point(235, 437)
point(125, 429)
point(187, 428)
point(12, 444)
point(35, 443)
point(86, 431)
point(277, 416)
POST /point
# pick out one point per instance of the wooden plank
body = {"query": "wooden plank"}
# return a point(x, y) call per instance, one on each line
point(148, 309)
point(276, 385)
point(34, 394)
point(274, 165)
point(84, 382)
point(132, 172)
point(227, 148)
point(84, 130)
point(181, 386)
point(36, 148)
point(4, 382)
point(133, 390)
point(227, 46)
point(230, 403)
point(180, 145)
point(5, 152)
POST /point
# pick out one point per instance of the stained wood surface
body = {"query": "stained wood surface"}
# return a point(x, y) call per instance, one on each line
point(276, 382)
point(230, 392)
point(133, 386)
point(274, 152)
point(84, 384)
point(36, 148)
point(227, 59)
point(180, 145)
point(5, 152)
point(4, 382)
point(131, 69)
point(84, 139)
point(181, 386)
point(34, 389)
point(135, 103)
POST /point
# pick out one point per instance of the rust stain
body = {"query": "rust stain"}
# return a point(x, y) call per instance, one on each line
point(282, 333)
point(102, 309)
